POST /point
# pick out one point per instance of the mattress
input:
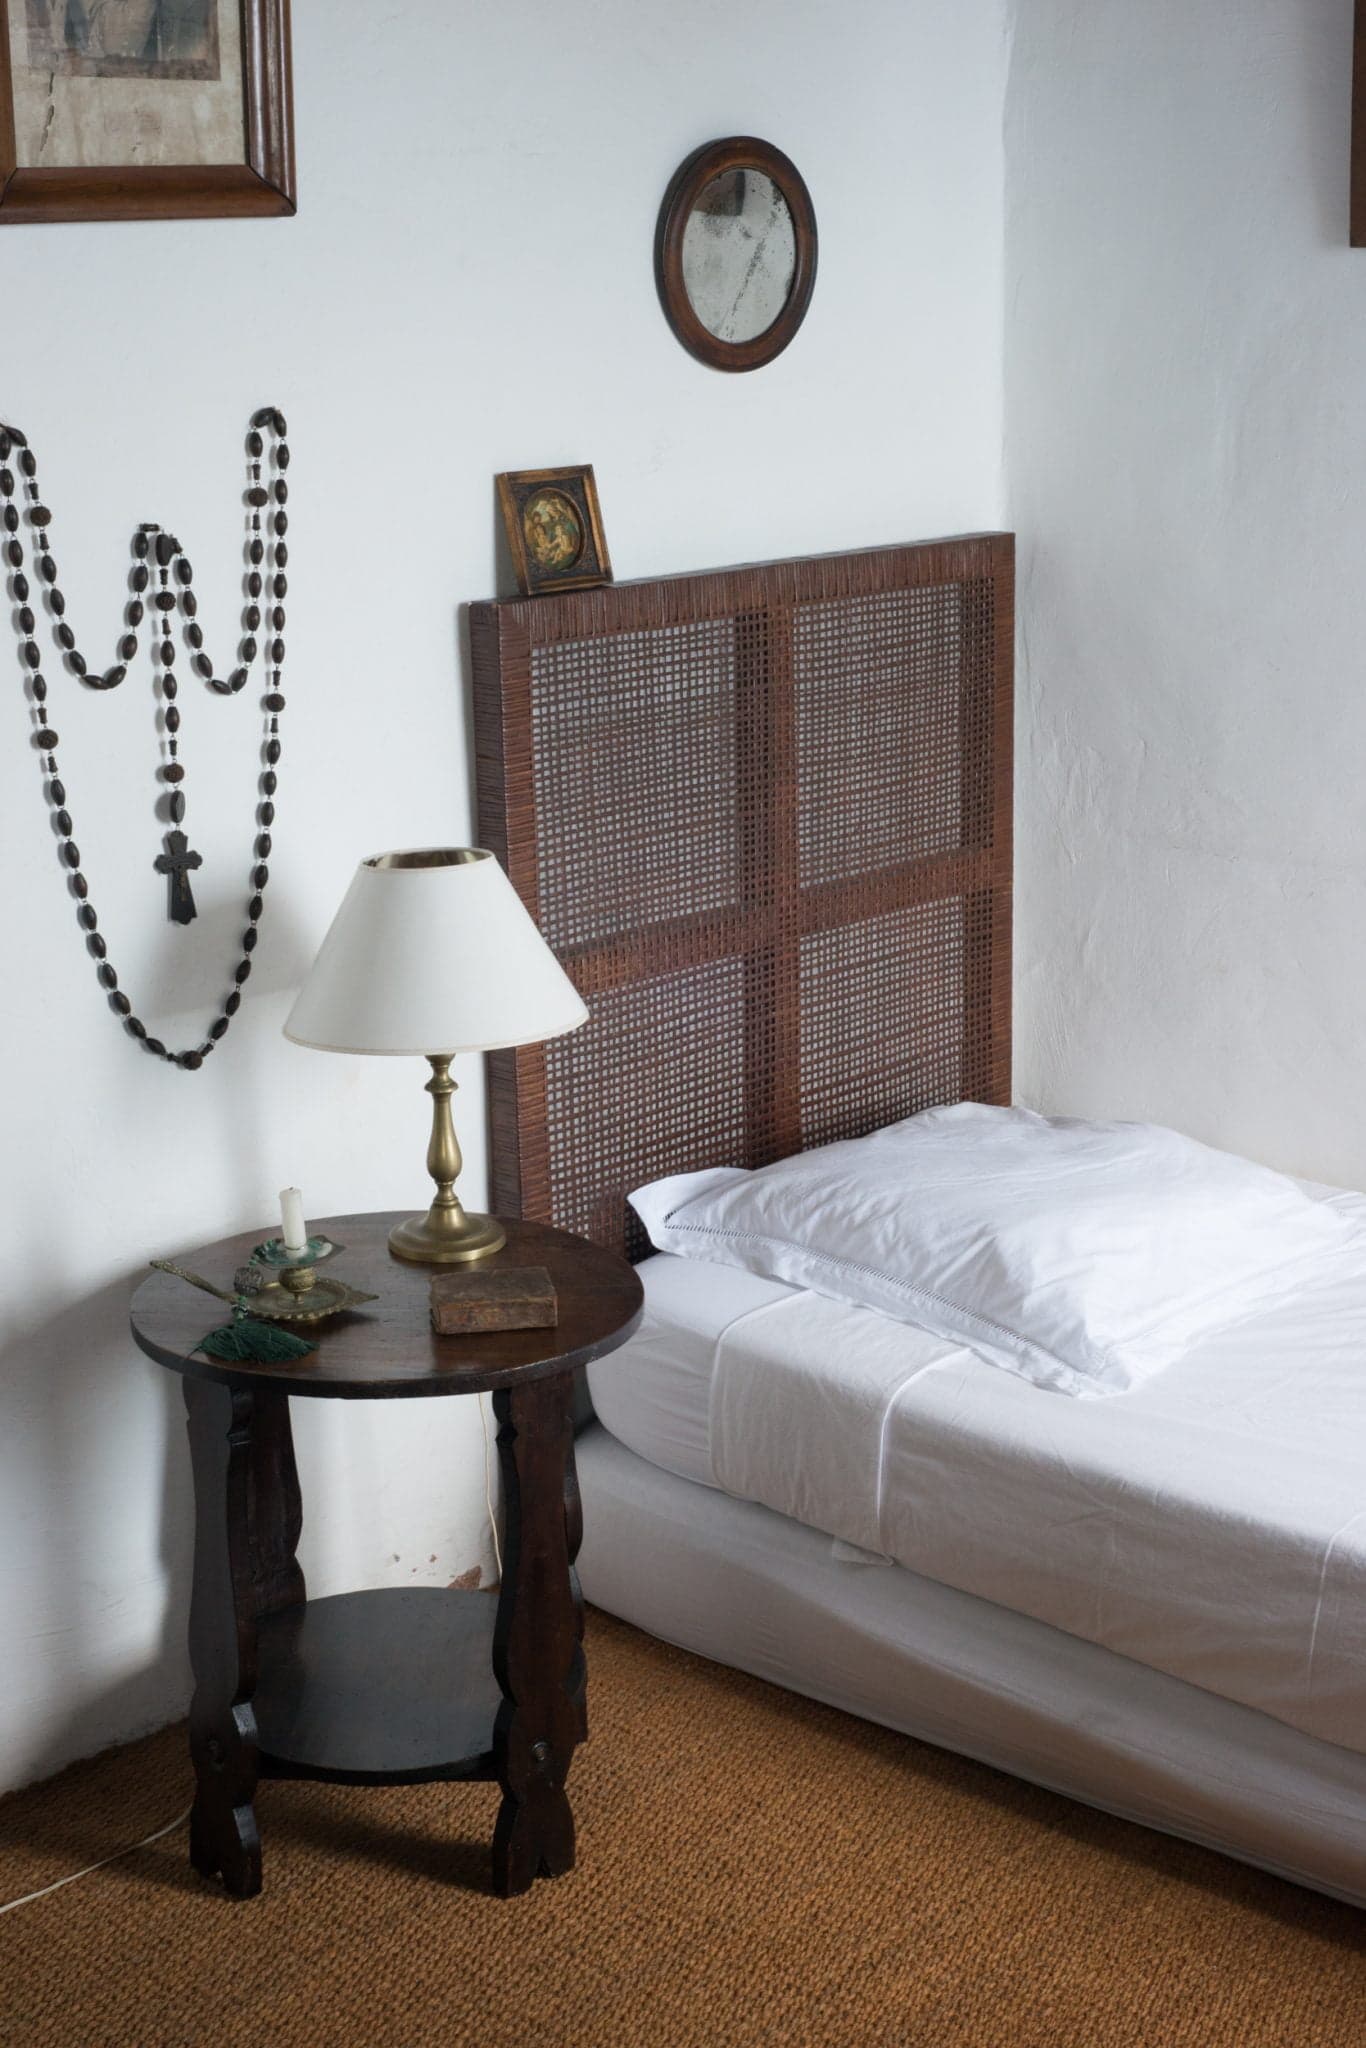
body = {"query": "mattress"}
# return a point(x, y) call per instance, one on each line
point(735, 1582)
point(1210, 1525)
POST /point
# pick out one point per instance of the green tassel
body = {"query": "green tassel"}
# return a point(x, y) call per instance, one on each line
point(247, 1341)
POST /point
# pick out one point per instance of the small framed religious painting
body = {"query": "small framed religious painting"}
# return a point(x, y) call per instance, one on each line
point(144, 109)
point(554, 529)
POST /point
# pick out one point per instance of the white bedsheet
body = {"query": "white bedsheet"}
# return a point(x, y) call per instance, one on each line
point(753, 1589)
point(1211, 1525)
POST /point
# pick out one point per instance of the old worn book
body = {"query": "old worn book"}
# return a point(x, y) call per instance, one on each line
point(508, 1298)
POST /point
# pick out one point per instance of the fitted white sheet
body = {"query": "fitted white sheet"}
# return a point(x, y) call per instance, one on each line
point(735, 1582)
point(1210, 1525)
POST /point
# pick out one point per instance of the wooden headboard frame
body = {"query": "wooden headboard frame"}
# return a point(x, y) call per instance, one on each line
point(763, 817)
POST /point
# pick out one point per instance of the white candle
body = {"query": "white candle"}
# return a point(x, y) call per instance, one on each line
point(292, 1215)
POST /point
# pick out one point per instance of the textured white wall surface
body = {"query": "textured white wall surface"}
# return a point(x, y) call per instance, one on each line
point(467, 288)
point(1186, 457)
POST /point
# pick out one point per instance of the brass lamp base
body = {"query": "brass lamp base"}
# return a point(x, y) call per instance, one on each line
point(445, 1236)
point(440, 1239)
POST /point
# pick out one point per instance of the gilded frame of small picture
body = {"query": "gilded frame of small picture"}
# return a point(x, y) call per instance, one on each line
point(554, 529)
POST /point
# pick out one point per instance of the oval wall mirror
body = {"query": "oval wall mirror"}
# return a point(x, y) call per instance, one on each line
point(735, 252)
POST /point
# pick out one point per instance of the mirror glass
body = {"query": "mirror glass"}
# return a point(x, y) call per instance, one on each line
point(739, 255)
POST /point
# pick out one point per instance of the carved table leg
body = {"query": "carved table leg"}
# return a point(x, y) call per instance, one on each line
point(274, 1506)
point(247, 1517)
point(538, 1642)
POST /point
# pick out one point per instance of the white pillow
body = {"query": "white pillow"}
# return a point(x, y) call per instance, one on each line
point(1082, 1256)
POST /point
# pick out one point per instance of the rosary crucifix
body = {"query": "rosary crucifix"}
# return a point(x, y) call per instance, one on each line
point(176, 863)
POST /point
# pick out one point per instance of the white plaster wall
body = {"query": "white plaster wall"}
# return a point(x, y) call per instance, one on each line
point(1186, 455)
point(467, 288)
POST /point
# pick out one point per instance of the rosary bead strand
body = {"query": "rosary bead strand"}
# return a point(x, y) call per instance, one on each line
point(167, 554)
point(147, 534)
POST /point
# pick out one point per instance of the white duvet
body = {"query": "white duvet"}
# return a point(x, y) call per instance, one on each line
point(1210, 1524)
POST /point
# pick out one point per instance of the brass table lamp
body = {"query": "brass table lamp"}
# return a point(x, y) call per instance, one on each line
point(432, 953)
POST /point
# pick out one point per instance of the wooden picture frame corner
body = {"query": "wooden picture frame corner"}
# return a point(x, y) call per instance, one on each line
point(261, 184)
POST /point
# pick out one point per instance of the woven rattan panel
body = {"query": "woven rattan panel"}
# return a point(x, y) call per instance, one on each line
point(763, 817)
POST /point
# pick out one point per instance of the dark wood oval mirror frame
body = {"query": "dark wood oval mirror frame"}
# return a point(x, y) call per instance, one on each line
point(734, 153)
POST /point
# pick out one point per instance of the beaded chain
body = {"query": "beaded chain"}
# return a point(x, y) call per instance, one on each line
point(157, 552)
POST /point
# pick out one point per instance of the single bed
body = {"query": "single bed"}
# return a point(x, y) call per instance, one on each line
point(763, 817)
point(732, 1581)
point(1210, 1525)
point(1055, 1627)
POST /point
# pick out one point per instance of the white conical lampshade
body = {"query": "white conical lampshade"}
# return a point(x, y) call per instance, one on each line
point(432, 952)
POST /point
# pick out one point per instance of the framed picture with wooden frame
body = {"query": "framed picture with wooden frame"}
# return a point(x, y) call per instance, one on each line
point(554, 529)
point(145, 109)
point(1358, 220)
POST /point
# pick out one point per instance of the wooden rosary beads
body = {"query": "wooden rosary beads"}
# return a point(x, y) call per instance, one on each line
point(156, 551)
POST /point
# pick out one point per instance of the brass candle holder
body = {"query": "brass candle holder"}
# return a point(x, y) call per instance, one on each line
point(298, 1296)
point(295, 1293)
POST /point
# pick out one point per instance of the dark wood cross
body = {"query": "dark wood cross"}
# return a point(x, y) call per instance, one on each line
point(176, 863)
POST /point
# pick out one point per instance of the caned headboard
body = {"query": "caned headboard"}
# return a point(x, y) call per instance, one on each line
point(763, 817)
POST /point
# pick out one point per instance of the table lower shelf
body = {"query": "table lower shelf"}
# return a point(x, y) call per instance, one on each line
point(394, 1686)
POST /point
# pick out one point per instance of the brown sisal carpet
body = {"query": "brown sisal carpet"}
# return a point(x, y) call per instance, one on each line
point(753, 1869)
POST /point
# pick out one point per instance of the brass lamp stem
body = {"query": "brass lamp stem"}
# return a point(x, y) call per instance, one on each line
point(444, 1157)
point(446, 1235)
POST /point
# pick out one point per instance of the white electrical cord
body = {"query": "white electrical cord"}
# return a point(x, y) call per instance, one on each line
point(127, 1850)
point(488, 1491)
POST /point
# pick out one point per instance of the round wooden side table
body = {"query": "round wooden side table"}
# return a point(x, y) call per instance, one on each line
point(405, 1684)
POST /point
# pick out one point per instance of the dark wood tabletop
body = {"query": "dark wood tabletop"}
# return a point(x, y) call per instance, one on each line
point(389, 1348)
